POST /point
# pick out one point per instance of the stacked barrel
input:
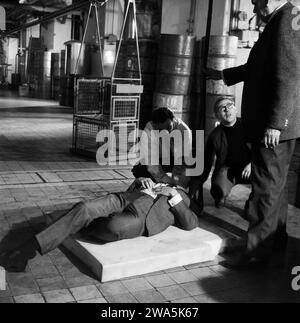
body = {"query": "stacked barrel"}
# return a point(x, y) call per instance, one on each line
point(174, 74)
point(2, 61)
point(222, 54)
point(40, 74)
point(55, 76)
point(148, 57)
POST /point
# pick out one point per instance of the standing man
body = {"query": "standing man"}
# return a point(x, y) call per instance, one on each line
point(271, 119)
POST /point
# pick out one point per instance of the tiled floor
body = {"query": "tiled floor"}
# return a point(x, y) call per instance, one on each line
point(38, 175)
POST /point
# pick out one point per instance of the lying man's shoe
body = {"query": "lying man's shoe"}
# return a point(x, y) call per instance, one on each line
point(16, 260)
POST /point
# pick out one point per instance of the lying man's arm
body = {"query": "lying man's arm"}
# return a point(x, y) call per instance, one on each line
point(185, 218)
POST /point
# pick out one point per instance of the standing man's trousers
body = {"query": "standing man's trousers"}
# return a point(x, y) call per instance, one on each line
point(267, 208)
point(113, 216)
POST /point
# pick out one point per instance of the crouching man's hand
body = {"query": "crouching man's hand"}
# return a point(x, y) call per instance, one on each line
point(246, 172)
point(194, 188)
point(146, 183)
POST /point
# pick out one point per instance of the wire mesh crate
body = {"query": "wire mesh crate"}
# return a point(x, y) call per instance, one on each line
point(125, 135)
point(109, 103)
point(87, 96)
point(125, 108)
point(85, 131)
point(87, 127)
point(104, 105)
point(120, 101)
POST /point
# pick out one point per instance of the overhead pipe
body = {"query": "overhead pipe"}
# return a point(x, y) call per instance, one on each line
point(235, 7)
point(14, 3)
point(205, 56)
point(191, 20)
point(51, 16)
point(27, 6)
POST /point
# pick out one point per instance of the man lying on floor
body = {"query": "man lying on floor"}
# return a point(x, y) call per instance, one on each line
point(146, 211)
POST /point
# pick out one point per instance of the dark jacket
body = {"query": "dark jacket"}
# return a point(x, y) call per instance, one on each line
point(271, 97)
point(216, 148)
point(159, 215)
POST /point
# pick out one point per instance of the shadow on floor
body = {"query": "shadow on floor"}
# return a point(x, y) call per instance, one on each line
point(271, 283)
point(21, 233)
point(39, 110)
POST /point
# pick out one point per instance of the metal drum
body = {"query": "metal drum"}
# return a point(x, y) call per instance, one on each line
point(46, 68)
point(15, 80)
point(175, 64)
point(179, 104)
point(55, 75)
point(148, 17)
point(43, 89)
point(72, 54)
point(148, 58)
point(55, 64)
point(62, 62)
point(66, 96)
point(222, 55)
point(145, 109)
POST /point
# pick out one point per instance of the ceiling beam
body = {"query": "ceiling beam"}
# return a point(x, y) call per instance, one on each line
point(51, 16)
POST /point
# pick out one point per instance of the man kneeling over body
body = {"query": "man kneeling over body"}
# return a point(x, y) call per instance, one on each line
point(146, 211)
point(226, 143)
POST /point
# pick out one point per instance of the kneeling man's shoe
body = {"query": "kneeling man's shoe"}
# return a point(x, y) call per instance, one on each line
point(219, 204)
point(234, 246)
point(244, 261)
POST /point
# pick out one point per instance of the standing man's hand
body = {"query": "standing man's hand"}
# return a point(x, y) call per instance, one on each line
point(213, 74)
point(247, 172)
point(272, 138)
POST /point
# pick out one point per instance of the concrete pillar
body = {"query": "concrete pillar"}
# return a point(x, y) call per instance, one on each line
point(114, 16)
point(220, 18)
point(32, 32)
point(176, 14)
point(56, 33)
point(12, 50)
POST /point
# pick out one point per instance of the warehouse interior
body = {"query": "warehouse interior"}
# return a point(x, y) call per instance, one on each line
point(59, 60)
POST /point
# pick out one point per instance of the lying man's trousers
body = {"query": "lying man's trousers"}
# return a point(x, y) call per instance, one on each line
point(113, 216)
point(223, 181)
